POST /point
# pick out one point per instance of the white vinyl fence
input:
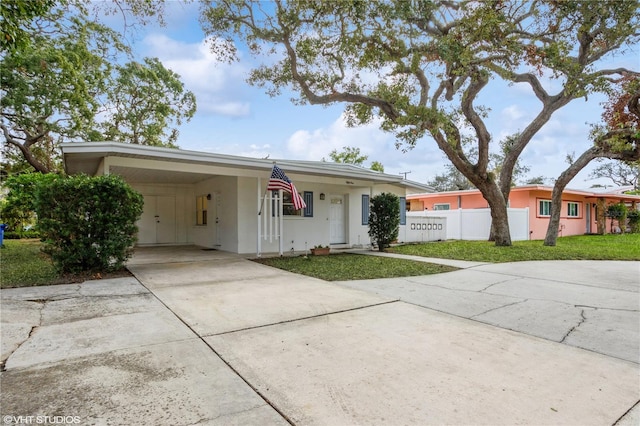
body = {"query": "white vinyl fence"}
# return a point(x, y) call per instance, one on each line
point(475, 224)
point(422, 228)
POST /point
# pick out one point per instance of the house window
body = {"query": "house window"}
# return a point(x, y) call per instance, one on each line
point(365, 209)
point(307, 196)
point(572, 209)
point(545, 208)
point(287, 205)
point(443, 206)
point(201, 209)
point(403, 211)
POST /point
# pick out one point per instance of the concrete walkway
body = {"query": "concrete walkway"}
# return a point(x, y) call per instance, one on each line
point(211, 338)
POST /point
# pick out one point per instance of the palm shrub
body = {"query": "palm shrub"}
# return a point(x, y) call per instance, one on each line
point(384, 219)
point(88, 223)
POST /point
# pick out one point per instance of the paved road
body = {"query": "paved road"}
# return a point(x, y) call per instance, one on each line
point(209, 338)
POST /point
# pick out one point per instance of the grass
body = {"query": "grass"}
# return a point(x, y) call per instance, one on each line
point(23, 264)
point(578, 247)
point(342, 267)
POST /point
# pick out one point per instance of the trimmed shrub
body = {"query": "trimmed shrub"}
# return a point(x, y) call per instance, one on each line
point(88, 223)
point(17, 209)
point(384, 219)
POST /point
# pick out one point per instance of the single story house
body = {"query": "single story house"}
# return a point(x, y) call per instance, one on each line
point(220, 201)
point(582, 211)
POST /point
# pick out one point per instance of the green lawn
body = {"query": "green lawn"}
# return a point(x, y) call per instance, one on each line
point(578, 247)
point(340, 267)
point(23, 264)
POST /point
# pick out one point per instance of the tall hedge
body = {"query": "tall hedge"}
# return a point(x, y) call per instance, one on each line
point(384, 219)
point(88, 223)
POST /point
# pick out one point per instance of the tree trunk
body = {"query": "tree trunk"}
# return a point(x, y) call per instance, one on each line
point(500, 232)
point(602, 148)
point(600, 217)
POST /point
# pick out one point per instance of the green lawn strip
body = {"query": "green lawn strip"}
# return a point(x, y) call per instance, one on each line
point(579, 247)
point(22, 264)
point(343, 267)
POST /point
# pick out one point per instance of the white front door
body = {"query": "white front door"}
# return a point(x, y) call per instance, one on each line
point(158, 222)
point(337, 234)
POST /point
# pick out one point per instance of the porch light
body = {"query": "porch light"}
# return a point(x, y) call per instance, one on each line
point(322, 195)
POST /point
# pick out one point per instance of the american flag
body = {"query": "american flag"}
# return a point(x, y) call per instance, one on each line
point(279, 180)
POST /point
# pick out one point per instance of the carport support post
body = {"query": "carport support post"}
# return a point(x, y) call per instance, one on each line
point(260, 201)
point(281, 223)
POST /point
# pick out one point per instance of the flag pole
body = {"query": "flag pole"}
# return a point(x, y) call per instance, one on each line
point(265, 194)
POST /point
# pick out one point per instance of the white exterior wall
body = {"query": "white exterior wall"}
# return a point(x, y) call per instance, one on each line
point(221, 231)
point(184, 207)
point(475, 224)
point(232, 219)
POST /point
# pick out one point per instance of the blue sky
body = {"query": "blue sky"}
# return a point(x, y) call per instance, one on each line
point(236, 118)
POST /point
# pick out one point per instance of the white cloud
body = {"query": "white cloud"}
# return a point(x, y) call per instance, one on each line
point(219, 87)
point(424, 161)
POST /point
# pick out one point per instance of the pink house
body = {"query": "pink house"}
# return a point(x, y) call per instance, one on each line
point(582, 211)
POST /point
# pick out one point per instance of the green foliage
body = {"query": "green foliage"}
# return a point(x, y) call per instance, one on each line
point(88, 223)
point(15, 13)
point(384, 219)
point(349, 155)
point(18, 207)
point(634, 221)
point(53, 88)
point(50, 88)
point(146, 98)
point(616, 211)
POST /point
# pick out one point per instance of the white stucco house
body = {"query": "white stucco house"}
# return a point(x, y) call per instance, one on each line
point(214, 200)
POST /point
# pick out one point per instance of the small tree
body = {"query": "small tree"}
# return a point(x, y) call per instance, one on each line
point(88, 223)
point(384, 219)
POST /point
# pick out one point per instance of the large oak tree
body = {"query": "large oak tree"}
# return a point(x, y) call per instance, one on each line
point(422, 65)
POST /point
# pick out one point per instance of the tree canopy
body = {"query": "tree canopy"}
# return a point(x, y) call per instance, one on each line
point(71, 82)
point(421, 66)
point(352, 155)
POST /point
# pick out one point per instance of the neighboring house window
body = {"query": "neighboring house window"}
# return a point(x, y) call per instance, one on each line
point(441, 206)
point(572, 209)
point(545, 208)
point(201, 209)
point(365, 209)
point(403, 211)
point(307, 196)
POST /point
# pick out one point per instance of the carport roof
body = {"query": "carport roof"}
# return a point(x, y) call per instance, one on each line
point(86, 157)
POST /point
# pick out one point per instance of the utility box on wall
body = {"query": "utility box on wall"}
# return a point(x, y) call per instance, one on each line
point(422, 228)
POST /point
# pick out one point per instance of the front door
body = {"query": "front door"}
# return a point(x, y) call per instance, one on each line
point(158, 222)
point(337, 234)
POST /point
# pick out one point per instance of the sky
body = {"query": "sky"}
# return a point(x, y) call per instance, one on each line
point(238, 119)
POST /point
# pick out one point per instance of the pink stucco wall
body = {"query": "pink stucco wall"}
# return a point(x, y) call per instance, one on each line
point(525, 197)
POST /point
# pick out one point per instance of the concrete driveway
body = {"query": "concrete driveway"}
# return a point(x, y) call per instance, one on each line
point(211, 338)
